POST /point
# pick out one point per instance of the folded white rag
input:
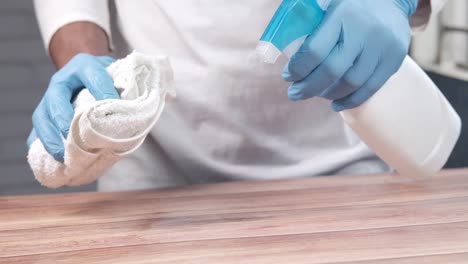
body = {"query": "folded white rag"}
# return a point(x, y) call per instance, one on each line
point(102, 132)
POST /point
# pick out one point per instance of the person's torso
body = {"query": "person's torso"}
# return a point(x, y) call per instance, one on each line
point(232, 119)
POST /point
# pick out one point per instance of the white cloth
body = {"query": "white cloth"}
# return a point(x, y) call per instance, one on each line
point(102, 132)
point(231, 120)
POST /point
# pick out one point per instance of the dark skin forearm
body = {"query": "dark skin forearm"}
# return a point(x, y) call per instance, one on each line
point(78, 37)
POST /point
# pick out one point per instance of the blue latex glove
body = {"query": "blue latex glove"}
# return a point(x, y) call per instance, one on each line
point(359, 45)
point(53, 116)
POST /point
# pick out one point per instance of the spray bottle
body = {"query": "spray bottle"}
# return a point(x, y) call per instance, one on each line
point(416, 139)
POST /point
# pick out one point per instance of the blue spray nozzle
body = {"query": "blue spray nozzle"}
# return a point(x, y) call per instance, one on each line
point(291, 24)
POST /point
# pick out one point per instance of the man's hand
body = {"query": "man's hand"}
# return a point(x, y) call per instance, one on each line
point(53, 116)
point(358, 47)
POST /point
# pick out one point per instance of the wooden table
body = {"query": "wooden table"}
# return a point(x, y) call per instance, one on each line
point(339, 219)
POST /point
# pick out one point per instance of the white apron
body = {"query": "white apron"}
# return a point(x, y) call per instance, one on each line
point(231, 120)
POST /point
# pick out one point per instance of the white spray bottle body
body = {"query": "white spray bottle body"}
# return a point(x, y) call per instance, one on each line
point(408, 123)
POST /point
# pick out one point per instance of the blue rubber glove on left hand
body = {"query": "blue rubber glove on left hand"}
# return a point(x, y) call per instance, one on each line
point(53, 115)
point(359, 45)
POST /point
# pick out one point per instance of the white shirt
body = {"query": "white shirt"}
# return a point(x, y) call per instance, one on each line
point(230, 120)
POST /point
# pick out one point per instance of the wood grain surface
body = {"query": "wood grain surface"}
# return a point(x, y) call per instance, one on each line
point(333, 219)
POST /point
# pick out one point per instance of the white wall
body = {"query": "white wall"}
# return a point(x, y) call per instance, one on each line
point(454, 49)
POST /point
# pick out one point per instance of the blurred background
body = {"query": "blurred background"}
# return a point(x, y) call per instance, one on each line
point(25, 71)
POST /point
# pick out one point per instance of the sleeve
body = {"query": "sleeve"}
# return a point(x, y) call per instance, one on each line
point(54, 14)
point(426, 9)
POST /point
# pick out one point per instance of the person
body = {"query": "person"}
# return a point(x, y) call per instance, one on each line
point(230, 120)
